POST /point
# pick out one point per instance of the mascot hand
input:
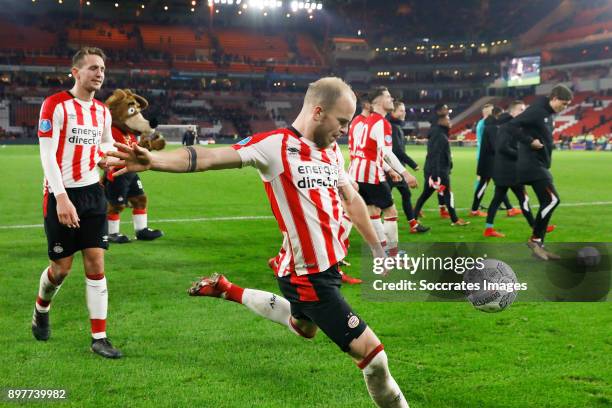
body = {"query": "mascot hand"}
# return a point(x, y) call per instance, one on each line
point(158, 142)
point(155, 142)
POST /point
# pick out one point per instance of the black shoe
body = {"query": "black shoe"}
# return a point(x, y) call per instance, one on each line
point(118, 238)
point(147, 234)
point(104, 348)
point(419, 229)
point(40, 326)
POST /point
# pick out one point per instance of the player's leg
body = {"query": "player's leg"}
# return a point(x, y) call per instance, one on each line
point(138, 200)
point(60, 249)
point(369, 354)
point(383, 199)
point(96, 292)
point(549, 200)
point(510, 210)
point(114, 221)
point(479, 193)
point(521, 194)
point(425, 194)
point(498, 197)
point(390, 219)
point(376, 220)
point(49, 284)
point(449, 200)
point(335, 317)
point(404, 191)
point(442, 207)
point(92, 241)
point(390, 227)
point(116, 190)
point(265, 304)
point(368, 193)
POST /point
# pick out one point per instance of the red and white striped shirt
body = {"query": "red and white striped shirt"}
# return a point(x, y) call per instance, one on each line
point(367, 149)
point(301, 181)
point(355, 130)
point(80, 132)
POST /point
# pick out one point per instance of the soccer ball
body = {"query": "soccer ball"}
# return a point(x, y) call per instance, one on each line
point(493, 273)
point(588, 256)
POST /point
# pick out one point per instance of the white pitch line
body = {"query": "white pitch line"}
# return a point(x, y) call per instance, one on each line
point(269, 217)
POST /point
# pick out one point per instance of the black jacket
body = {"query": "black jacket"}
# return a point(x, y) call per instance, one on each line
point(399, 143)
point(487, 148)
point(506, 154)
point(438, 162)
point(532, 124)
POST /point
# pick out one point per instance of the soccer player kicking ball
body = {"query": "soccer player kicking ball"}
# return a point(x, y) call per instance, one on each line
point(74, 133)
point(302, 170)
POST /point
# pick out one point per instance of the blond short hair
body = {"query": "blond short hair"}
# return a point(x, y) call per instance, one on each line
point(326, 91)
point(80, 55)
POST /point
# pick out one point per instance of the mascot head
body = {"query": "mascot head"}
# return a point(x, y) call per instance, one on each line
point(126, 107)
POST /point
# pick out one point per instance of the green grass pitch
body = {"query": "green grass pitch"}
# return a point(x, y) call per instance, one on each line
point(182, 351)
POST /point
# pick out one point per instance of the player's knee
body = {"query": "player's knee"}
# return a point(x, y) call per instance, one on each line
point(375, 364)
point(306, 330)
point(373, 211)
point(139, 202)
point(115, 208)
point(390, 212)
point(93, 263)
point(59, 271)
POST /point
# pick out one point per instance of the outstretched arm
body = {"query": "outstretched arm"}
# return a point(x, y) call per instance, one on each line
point(184, 160)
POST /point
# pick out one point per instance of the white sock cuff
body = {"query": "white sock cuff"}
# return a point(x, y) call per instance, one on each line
point(95, 282)
point(99, 335)
point(140, 221)
point(113, 226)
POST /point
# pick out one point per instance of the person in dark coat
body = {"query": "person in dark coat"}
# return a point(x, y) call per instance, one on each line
point(438, 165)
point(484, 169)
point(504, 170)
point(535, 157)
point(396, 118)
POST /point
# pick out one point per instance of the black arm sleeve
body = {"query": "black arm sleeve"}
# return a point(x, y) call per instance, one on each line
point(397, 149)
point(437, 151)
point(529, 119)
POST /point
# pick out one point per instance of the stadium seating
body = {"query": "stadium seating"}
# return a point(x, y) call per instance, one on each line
point(28, 38)
point(255, 46)
point(177, 40)
point(103, 36)
point(583, 24)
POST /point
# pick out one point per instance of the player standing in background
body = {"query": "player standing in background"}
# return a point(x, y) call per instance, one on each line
point(534, 159)
point(373, 157)
point(396, 119)
point(356, 127)
point(484, 169)
point(75, 134)
point(440, 110)
point(504, 171)
point(358, 122)
point(302, 170)
point(481, 182)
point(438, 165)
